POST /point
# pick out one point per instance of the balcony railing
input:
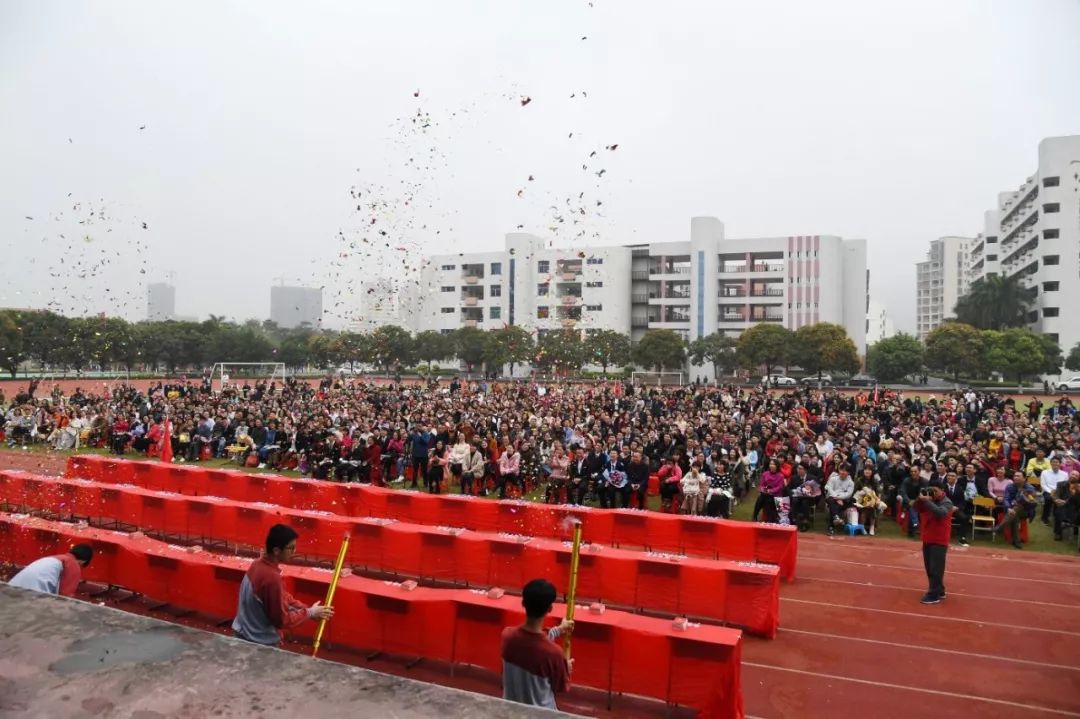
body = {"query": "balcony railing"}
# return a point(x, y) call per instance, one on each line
point(639, 275)
point(766, 318)
point(732, 318)
point(670, 270)
point(770, 267)
point(731, 269)
point(733, 293)
point(471, 301)
point(767, 293)
point(639, 298)
point(639, 321)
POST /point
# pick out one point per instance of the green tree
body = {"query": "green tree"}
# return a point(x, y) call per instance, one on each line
point(45, 335)
point(824, 346)
point(764, 345)
point(718, 349)
point(1016, 352)
point(560, 351)
point(432, 346)
point(509, 345)
point(1052, 359)
point(994, 303)
point(1072, 362)
point(661, 349)
point(470, 346)
point(954, 348)
point(392, 346)
point(608, 347)
point(12, 346)
point(894, 358)
point(80, 349)
point(295, 349)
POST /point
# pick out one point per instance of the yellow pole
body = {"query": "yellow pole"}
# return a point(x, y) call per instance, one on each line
point(571, 593)
point(330, 592)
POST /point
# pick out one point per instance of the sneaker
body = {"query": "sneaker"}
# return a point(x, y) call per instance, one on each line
point(831, 531)
point(872, 531)
point(1018, 545)
point(400, 478)
point(963, 541)
point(929, 599)
point(942, 595)
point(262, 465)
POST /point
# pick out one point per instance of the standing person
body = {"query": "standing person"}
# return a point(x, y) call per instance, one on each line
point(58, 574)
point(264, 608)
point(420, 442)
point(935, 519)
point(1049, 480)
point(534, 668)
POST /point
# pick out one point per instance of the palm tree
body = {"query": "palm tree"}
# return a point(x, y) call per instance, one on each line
point(994, 303)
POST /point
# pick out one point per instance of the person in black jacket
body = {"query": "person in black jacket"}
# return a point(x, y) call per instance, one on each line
point(955, 489)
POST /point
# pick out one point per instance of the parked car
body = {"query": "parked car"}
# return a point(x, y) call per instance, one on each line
point(860, 380)
point(778, 380)
point(1070, 385)
point(812, 380)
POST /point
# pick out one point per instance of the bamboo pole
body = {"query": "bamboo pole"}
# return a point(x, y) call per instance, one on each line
point(571, 593)
point(330, 592)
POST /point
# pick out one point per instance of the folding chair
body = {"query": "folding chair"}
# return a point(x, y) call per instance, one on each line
point(982, 517)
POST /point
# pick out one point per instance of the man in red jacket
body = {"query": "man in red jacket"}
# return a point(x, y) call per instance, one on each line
point(935, 519)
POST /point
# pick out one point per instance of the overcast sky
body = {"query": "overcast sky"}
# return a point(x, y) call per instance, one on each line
point(238, 131)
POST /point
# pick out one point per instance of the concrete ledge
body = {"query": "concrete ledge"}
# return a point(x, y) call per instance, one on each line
point(65, 658)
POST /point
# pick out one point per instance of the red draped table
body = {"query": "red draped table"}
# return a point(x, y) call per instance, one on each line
point(655, 531)
point(616, 652)
point(723, 591)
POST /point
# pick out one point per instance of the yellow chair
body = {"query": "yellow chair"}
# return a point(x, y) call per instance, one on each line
point(982, 518)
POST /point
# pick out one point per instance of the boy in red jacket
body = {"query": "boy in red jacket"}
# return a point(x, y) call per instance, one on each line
point(935, 519)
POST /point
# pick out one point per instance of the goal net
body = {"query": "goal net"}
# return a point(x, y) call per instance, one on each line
point(224, 374)
point(647, 379)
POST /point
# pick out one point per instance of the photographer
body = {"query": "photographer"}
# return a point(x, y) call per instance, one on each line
point(935, 511)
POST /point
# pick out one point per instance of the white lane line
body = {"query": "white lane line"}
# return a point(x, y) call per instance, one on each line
point(804, 578)
point(1063, 561)
point(936, 692)
point(920, 569)
point(991, 657)
point(942, 617)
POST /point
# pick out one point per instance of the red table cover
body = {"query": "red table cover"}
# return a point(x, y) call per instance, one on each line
point(698, 667)
point(700, 536)
point(716, 590)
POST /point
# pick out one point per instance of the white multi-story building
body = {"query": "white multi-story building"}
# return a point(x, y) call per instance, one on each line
point(292, 307)
point(696, 287)
point(160, 301)
point(383, 301)
point(940, 280)
point(1034, 235)
point(879, 324)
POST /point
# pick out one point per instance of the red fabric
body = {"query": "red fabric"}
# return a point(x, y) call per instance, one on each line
point(730, 539)
point(281, 609)
point(615, 651)
point(70, 574)
point(719, 590)
point(166, 442)
point(933, 529)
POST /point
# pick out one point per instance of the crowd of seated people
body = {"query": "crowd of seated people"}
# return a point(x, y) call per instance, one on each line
point(806, 452)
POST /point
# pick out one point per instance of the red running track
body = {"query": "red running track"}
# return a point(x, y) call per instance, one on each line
point(856, 642)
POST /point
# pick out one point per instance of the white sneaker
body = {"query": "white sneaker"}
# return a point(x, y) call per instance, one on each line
point(871, 531)
point(262, 465)
point(400, 478)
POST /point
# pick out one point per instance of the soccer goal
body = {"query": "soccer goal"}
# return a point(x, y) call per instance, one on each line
point(653, 379)
point(225, 373)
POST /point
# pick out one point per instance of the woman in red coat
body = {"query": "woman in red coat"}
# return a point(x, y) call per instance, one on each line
point(373, 457)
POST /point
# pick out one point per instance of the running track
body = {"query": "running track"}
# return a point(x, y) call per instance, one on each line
point(854, 639)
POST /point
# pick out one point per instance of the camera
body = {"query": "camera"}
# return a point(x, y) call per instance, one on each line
point(924, 492)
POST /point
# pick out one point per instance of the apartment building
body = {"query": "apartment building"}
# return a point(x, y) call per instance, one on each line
point(879, 325)
point(1034, 234)
point(941, 279)
point(705, 284)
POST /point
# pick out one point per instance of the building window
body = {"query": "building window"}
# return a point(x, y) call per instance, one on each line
point(594, 261)
point(447, 288)
point(446, 332)
point(542, 312)
point(1051, 286)
point(496, 290)
point(1050, 311)
point(496, 268)
point(494, 313)
point(1051, 182)
point(991, 240)
point(1051, 259)
point(543, 266)
point(542, 289)
point(991, 258)
point(1051, 233)
point(448, 310)
point(448, 268)
point(594, 308)
point(594, 284)
point(1051, 207)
